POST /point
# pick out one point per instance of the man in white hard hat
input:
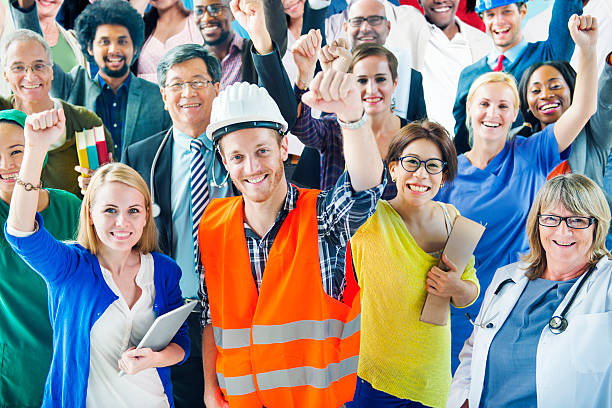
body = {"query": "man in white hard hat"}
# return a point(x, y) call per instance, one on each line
point(282, 338)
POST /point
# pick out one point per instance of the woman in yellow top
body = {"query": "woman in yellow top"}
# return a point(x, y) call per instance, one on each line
point(404, 362)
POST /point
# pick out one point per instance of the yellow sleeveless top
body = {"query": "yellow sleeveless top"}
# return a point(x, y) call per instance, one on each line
point(399, 354)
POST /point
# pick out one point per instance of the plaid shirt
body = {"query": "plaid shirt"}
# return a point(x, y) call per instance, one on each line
point(111, 107)
point(232, 63)
point(325, 135)
point(340, 212)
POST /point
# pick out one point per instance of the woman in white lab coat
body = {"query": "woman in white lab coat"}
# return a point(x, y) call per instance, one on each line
point(544, 333)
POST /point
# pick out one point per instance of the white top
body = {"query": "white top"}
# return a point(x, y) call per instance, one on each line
point(400, 98)
point(295, 146)
point(573, 368)
point(443, 61)
point(118, 329)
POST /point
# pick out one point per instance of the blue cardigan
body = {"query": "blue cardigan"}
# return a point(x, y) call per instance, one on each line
point(78, 295)
point(558, 46)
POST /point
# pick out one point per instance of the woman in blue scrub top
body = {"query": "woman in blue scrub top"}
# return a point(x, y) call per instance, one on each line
point(499, 177)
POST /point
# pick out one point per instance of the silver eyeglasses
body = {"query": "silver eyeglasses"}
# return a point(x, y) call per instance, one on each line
point(195, 85)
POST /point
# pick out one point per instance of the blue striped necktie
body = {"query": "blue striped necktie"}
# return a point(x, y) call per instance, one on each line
point(199, 190)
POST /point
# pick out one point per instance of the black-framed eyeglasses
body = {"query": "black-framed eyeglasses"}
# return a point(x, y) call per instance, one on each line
point(197, 84)
point(372, 20)
point(412, 163)
point(214, 10)
point(575, 222)
point(36, 68)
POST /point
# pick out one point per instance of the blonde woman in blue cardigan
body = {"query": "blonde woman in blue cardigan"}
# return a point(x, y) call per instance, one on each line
point(106, 290)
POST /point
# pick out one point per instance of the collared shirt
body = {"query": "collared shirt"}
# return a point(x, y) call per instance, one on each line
point(111, 107)
point(511, 55)
point(180, 203)
point(231, 65)
point(443, 61)
point(340, 212)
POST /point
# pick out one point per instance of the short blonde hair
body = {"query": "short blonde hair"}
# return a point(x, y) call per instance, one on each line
point(488, 78)
point(580, 196)
point(120, 173)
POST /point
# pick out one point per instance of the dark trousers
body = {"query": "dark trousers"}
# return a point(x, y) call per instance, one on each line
point(367, 396)
point(188, 378)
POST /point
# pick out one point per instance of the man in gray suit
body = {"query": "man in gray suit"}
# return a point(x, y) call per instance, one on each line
point(111, 33)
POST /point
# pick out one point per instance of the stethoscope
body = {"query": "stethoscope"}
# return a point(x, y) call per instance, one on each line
point(556, 324)
point(155, 209)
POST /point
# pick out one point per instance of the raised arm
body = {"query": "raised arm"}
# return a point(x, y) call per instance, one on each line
point(266, 58)
point(336, 92)
point(601, 122)
point(41, 130)
point(559, 43)
point(276, 23)
point(584, 33)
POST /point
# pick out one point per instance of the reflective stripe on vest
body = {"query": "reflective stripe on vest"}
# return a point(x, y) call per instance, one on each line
point(237, 385)
point(232, 338)
point(292, 377)
point(315, 377)
point(305, 329)
point(282, 333)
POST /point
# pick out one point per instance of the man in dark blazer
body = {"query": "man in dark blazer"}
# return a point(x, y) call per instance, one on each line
point(189, 79)
point(111, 33)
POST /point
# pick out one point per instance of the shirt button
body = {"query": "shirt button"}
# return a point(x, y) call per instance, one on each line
point(116, 146)
point(114, 125)
point(114, 103)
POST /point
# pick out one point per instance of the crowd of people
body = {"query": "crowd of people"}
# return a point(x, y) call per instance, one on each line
point(310, 268)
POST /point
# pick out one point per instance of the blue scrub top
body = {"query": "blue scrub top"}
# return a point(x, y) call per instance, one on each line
point(499, 197)
point(510, 375)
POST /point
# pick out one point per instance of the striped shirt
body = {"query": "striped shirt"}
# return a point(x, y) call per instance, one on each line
point(231, 65)
point(340, 212)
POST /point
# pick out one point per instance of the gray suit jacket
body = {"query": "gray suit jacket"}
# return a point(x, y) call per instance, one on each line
point(145, 114)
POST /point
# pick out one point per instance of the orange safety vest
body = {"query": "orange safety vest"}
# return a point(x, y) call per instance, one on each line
point(291, 345)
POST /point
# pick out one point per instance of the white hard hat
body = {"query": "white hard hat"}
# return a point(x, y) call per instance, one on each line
point(242, 106)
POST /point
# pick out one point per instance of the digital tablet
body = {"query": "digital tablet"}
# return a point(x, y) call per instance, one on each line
point(163, 329)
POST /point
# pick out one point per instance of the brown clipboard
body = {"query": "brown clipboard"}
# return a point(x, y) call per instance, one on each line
point(459, 248)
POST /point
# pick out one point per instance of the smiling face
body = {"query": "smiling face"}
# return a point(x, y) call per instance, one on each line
point(254, 160)
point(492, 111)
point(504, 25)
point(366, 32)
point(33, 84)
point(11, 155)
point(48, 8)
point(118, 215)
point(189, 108)
point(113, 50)
point(441, 13)
point(548, 95)
point(418, 187)
point(375, 83)
point(294, 8)
point(564, 245)
point(215, 28)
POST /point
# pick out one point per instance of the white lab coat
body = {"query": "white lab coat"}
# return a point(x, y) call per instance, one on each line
point(573, 369)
